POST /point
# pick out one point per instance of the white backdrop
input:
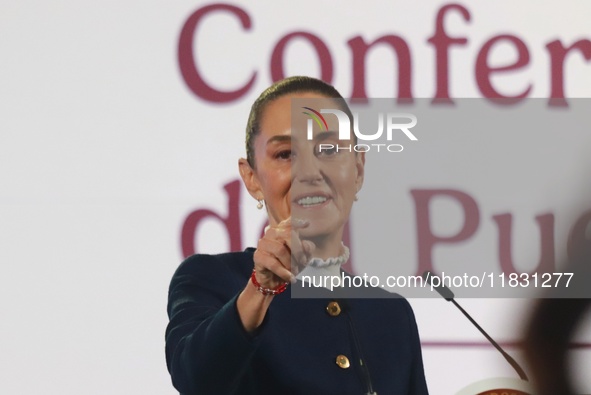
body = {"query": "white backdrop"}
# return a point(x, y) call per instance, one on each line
point(104, 151)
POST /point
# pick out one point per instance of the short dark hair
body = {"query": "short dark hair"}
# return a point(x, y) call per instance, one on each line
point(297, 84)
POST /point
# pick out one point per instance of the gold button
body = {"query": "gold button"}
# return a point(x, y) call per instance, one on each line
point(343, 362)
point(333, 309)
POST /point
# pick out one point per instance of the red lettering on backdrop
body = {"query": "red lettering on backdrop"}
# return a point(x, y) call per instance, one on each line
point(547, 256)
point(579, 238)
point(186, 57)
point(359, 49)
point(557, 54)
point(484, 71)
point(231, 222)
point(426, 240)
point(277, 67)
point(441, 41)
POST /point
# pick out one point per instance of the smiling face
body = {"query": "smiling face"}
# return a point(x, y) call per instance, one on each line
point(298, 179)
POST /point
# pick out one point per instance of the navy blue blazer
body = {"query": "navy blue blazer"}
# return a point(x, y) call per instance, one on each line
point(296, 348)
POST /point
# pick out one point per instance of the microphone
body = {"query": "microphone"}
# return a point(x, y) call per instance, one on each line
point(357, 344)
point(448, 295)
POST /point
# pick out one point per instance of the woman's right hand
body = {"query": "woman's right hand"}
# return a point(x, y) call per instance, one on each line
point(279, 248)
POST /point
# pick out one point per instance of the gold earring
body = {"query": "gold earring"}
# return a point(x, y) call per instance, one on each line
point(260, 204)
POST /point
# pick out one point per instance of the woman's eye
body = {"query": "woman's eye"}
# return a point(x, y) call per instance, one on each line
point(284, 154)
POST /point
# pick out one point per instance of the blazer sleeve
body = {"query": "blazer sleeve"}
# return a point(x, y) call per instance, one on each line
point(207, 348)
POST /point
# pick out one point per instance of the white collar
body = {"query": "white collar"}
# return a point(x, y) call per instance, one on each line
point(318, 267)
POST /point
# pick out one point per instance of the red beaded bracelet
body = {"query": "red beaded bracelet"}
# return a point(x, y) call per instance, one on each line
point(267, 291)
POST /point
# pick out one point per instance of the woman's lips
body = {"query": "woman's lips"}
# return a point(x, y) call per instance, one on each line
point(312, 200)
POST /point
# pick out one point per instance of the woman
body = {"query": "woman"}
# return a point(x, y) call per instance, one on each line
point(234, 329)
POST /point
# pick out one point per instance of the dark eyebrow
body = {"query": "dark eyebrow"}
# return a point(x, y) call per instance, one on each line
point(320, 136)
point(325, 135)
point(279, 139)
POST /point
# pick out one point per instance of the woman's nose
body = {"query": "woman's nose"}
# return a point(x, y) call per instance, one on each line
point(307, 169)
